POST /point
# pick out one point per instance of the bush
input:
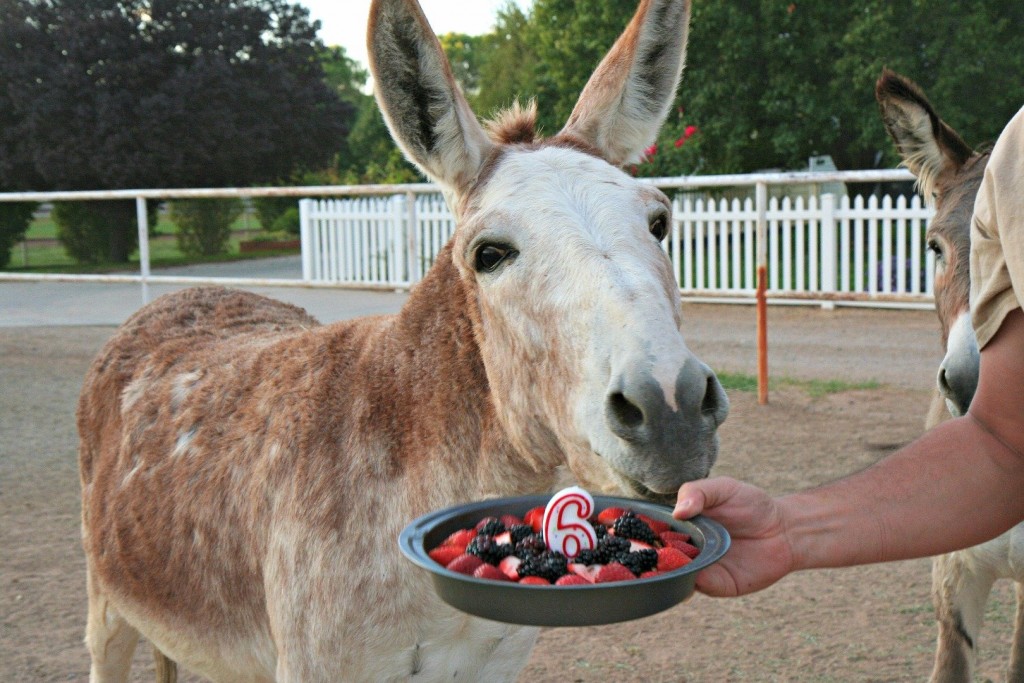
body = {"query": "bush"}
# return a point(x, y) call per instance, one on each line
point(287, 222)
point(15, 218)
point(204, 225)
point(98, 232)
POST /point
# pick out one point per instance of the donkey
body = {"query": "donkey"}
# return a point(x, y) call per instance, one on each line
point(246, 471)
point(949, 173)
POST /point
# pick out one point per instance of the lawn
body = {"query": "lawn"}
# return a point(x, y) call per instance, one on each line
point(41, 253)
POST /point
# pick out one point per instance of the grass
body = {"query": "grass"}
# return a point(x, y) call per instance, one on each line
point(814, 387)
point(41, 257)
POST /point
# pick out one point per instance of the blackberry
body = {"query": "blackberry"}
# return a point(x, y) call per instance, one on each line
point(613, 545)
point(529, 546)
point(491, 526)
point(588, 556)
point(519, 532)
point(639, 561)
point(548, 564)
point(631, 526)
point(600, 530)
point(488, 550)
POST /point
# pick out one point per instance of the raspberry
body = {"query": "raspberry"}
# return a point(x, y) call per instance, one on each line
point(488, 550)
point(549, 565)
point(631, 526)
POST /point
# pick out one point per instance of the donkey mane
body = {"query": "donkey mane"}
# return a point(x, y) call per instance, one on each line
point(513, 125)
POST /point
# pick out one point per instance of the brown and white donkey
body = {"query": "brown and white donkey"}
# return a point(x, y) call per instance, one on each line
point(949, 173)
point(246, 471)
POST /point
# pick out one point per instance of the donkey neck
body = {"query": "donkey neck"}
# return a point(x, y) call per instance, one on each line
point(440, 394)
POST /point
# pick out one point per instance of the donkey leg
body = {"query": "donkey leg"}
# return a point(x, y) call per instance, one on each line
point(959, 593)
point(111, 640)
point(166, 668)
point(1015, 672)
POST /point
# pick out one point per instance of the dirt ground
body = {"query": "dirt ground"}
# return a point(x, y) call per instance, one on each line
point(862, 624)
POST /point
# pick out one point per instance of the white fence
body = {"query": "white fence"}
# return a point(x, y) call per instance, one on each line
point(820, 248)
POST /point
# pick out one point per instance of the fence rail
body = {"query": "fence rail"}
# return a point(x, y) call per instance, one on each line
point(819, 247)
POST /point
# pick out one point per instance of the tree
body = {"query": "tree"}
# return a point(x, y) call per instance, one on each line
point(14, 221)
point(104, 94)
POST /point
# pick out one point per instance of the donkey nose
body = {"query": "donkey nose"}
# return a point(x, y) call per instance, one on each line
point(639, 411)
point(957, 388)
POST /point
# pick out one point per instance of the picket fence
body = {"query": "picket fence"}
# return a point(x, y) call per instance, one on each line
point(825, 248)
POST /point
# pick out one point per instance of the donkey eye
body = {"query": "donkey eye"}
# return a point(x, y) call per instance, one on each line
point(659, 226)
point(490, 256)
point(935, 248)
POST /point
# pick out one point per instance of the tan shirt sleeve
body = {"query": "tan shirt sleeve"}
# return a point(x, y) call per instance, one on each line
point(997, 235)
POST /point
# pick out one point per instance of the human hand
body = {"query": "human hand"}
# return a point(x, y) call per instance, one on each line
point(760, 553)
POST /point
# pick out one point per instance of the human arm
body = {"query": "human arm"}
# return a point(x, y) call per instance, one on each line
point(960, 484)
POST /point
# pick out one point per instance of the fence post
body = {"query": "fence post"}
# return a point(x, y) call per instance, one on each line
point(412, 240)
point(142, 217)
point(828, 248)
point(761, 201)
point(306, 238)
point(396, 241)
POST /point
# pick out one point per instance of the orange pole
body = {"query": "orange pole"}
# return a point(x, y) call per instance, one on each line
point(762, 335)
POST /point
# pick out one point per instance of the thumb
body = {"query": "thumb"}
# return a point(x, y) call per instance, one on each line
point(697, 496)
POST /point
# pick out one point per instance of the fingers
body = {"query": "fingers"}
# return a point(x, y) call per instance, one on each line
point(697, 496)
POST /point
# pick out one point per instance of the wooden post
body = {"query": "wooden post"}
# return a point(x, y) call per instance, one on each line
point(761, 200)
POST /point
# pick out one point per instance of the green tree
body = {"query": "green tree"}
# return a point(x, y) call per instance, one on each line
point(107, 94)
point(507, 63)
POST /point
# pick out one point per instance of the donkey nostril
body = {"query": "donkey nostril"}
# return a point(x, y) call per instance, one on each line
point(625, 411)
point(715, 403)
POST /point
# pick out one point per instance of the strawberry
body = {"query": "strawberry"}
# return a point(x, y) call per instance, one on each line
point(672, 558)
point(609, 515)
point(535, 518)
point(445, 554)
point(568, 580)
point(510, 521)
point(613, 571)
point(635, 545)
point(667, 536)
point(649, 573)
point(691, 551)
point(460, 538)
point(510, 567)
point(489, 571)
point(504, 538)
point(657, 526)
point(539, 580)
point(464, 564)
point(587, 571)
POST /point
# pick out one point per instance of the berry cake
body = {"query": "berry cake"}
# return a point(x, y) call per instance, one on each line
point(629, 545)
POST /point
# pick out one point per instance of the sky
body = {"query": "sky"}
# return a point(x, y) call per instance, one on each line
point(344, 21)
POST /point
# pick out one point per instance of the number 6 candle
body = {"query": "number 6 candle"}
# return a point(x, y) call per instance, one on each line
point(566, 529)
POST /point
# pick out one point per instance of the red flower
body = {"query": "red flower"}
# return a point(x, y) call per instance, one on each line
point(652, 150)
point(680, 141)
point(690, 130)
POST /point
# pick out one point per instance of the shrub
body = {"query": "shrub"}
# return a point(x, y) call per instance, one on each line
point(287, 222)
point(204, 225)
point(14, 221)
point(98, 232)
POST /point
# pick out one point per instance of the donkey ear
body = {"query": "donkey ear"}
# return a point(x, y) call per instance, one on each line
point(424, 109)
point(928, 146)
point(630, 93)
